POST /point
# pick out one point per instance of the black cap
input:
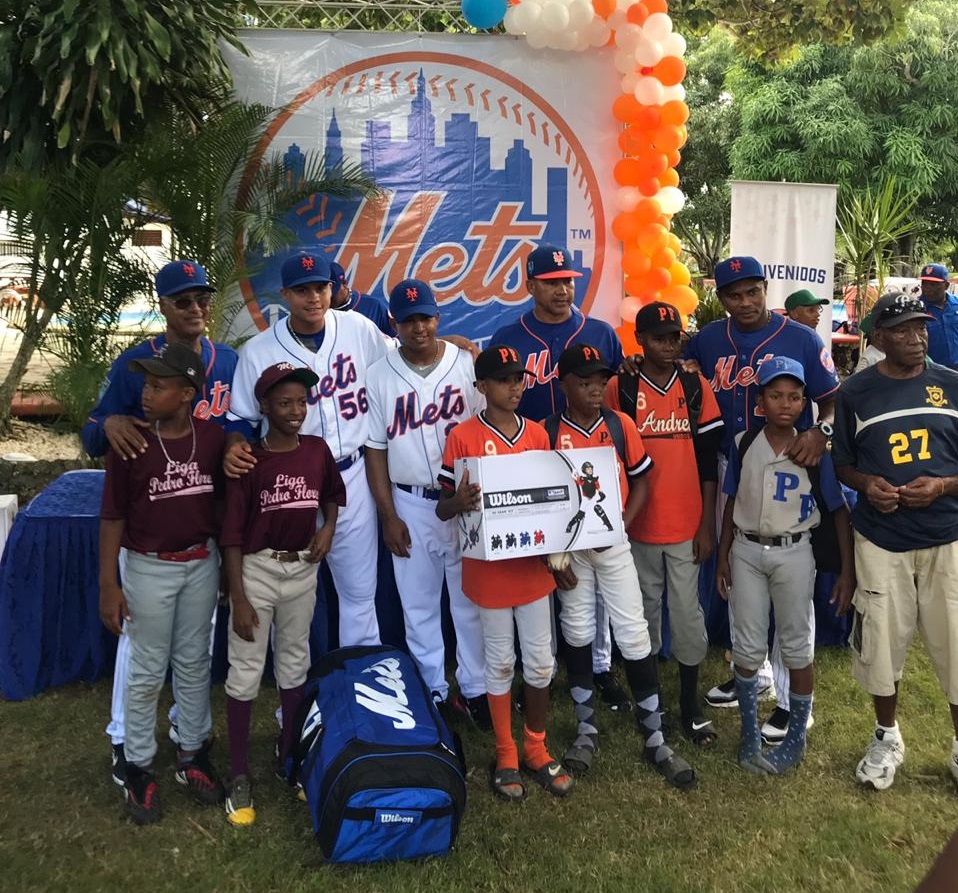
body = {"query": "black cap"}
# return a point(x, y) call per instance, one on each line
point(895, 308)
point(658, 318)
point(582, 360)
point(498, 361)
point(174, 360)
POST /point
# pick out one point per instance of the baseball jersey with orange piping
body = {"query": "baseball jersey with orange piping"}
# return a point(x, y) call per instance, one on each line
point(513, 581)
point(673, 510)
point(572, 437)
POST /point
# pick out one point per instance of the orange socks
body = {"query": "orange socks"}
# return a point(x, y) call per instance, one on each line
point(534, 751)
point(500, 707)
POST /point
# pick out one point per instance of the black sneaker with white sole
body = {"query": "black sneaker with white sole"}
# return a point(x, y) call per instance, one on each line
point(775, 727)
point(612, 692)
point(196, 772)
point(118, 765)
point(724, 695)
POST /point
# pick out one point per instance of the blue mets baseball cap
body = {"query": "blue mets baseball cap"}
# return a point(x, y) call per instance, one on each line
point(338, 275)
point(409, 297)
point(775, 367)
point(735, 268)
point(181, 275)
point(550, 262)
point(303, 268)
point(935, 273)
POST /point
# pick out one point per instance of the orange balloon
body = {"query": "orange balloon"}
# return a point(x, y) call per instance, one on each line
point(626, 333)
point(670, 70)
point(675, 245)
point(625, 108)
point(637, 13)
point(647, 211)
point(635, 286)
point(628, 172)
point(654, 164)
point(633, 140)
point(680, 274)
point(652, 238)
point(669, 178)
point(675, 112)
point(664, 258)
point(626, 227)
point(656, 6)
point(649, 186)
point(674, 158)
point(649, 117)
point(603, 8)
point(683, 135)
point(683, 298)
point(635, 262)
point(666, 138)
point(658, 279)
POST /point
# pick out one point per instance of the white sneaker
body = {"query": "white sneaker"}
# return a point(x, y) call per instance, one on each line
point(884, 754)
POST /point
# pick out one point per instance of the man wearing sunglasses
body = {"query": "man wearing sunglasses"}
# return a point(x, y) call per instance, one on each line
point(117, 420)
point(895, 444)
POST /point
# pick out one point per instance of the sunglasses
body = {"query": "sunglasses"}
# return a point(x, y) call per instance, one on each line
point(184, 303)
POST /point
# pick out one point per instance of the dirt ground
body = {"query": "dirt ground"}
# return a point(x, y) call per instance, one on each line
point(40, 441)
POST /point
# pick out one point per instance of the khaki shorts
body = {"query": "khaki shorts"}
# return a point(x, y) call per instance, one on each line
point(899, 592)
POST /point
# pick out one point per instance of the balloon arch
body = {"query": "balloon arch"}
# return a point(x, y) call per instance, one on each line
point(653, 114)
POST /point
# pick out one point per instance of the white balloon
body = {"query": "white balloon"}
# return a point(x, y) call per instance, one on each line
point(671, 199)
point(626, 198)
point(629, 81)
point(627, 38)
point(565, 40)
point(676, 92)
point(674, 45)
point(581, 41)
point(581, 13)
point(624, 63)
point(617, 20)
point(597, 32)
point(527, 16)
point(648, 53)
point(624, 5)
point(509, 22)
point(649, 91)
point(537, 39)
point(657, 26)
point(555, 17)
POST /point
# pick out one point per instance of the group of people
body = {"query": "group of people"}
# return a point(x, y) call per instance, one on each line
point(327, 428)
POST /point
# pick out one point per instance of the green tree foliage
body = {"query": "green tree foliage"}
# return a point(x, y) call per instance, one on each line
point(78, 75)
point(857, 116)
point(769, 29)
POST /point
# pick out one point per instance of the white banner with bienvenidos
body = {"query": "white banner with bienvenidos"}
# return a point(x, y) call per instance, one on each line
point(790, 228)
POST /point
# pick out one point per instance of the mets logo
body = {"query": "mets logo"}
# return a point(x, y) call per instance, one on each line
point(307, 262)
point(475, 169)
point(412, 294)
point(189, 270)
point(936, 397)
point(736, 266)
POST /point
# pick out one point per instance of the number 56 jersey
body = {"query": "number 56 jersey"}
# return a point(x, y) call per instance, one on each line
point(901, 429)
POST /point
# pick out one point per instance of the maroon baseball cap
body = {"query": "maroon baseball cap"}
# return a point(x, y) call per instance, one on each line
point(273, 375)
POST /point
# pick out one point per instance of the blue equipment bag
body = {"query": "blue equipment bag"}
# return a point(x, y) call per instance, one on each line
point(383, 775)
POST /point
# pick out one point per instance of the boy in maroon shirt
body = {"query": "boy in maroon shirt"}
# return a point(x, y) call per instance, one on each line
point(163, 509)
point(271, 549)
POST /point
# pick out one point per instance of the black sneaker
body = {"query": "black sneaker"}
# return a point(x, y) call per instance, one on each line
point(775, 727)
point(611, 691)
point(476, 710)
point(142, 795)
point(198, 774)
point(118, 770)
point(443, 707)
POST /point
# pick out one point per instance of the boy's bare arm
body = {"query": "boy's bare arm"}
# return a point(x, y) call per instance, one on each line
point(113, 607)
point(846, 582)
point(703, 544)
point(638, 494)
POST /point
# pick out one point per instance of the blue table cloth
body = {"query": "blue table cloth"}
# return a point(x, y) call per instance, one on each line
point(50, 630)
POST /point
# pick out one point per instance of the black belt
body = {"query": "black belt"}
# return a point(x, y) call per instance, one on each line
point(425, 492)
point(285, 557)
point(788, 540)
point(349, 461)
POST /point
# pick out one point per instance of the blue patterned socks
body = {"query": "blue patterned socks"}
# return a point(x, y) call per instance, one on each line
point(790, 752)
point(750, 755)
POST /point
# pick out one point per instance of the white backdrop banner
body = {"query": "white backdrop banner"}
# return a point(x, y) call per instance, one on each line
point(483, 148)
point(790, 228)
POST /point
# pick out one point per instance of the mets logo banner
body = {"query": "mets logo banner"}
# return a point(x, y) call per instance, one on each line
point(790, 229)
point(483, 148)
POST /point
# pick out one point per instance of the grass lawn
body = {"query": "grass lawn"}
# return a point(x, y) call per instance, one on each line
point(62, 824)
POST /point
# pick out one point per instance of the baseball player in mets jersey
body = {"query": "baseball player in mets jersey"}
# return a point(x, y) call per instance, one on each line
point(896, 443)
point(344, 299)
point(340, 348)
point(540, 335)
point(729, 353)
point(417, 395)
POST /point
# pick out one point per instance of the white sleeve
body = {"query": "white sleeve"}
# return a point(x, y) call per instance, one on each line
point(243, 404)
point(376, 379)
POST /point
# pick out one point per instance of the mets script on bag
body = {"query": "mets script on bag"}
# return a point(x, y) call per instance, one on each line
point(391, 703)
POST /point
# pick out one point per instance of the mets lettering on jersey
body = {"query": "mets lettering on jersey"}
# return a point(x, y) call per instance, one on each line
point(408, 417)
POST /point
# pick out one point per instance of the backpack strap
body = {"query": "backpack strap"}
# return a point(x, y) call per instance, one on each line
point(551, 424)
point(748, 438)
point(612, 422)
point(692, 387)
point(628, 393)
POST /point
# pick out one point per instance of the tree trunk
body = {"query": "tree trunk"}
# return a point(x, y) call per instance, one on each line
point(28, 344)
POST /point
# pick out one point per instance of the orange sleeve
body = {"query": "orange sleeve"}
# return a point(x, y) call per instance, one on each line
point(638, 459)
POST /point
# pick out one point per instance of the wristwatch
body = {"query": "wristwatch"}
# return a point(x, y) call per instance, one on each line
point(826, 429)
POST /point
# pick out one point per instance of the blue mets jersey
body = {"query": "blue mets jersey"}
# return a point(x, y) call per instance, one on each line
point(730, 359)
point(372, 308)
point(901, 429)
point(540, 344)
point(121, 395)
point(943, 332)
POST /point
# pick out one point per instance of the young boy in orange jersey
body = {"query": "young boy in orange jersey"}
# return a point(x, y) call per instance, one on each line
point(681, 427)
point(514, 591)
point(583, 374)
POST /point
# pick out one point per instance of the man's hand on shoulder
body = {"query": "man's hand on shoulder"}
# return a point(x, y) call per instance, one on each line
point(238, 458)
point(125, 434)
point(807, 448)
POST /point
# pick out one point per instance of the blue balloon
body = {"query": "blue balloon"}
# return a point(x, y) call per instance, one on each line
point(484, 14)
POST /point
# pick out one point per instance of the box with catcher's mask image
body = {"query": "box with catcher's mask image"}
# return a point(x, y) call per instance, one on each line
point(542, 501)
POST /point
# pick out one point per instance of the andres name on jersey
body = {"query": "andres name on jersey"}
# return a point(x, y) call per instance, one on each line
point(180, 479)
point(389, 699)
point(451, 405)
point(665, 427)
point(288, 492)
